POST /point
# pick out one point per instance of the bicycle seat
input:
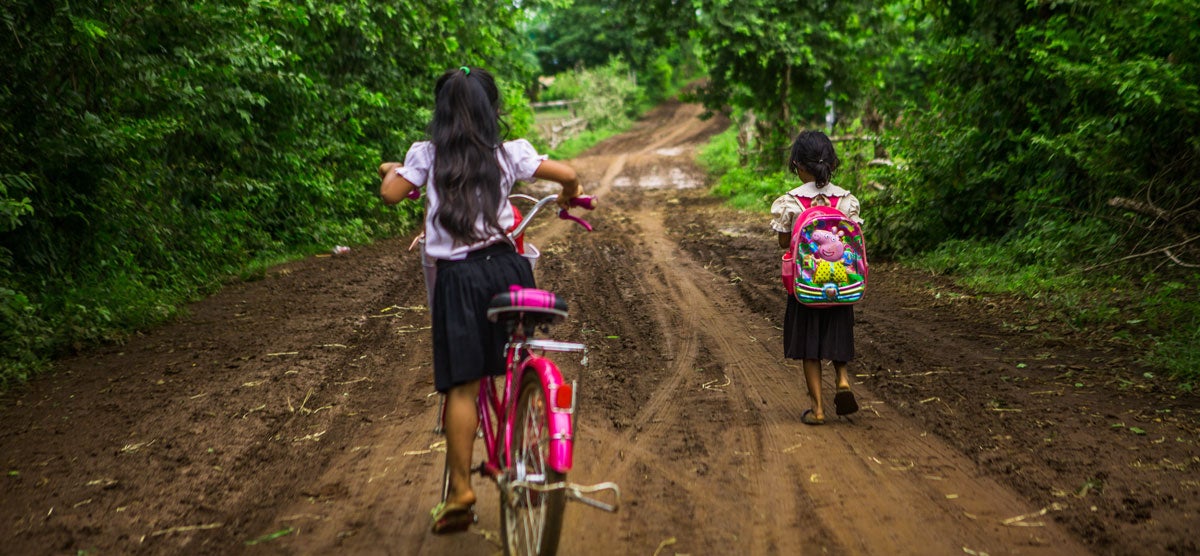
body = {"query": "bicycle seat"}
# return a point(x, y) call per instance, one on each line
point(534, 305)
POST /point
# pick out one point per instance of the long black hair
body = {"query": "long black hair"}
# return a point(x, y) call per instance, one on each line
point(466, 135)
point(812, 151)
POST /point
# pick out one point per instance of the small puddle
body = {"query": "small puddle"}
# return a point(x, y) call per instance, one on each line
point(674, 179)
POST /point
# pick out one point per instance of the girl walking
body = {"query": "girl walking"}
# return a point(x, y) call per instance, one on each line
point(815, 334)
point(467, 171)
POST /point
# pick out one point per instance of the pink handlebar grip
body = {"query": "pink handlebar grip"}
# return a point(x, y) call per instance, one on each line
point(414, 193)
point(583, 201)
point(587, 202)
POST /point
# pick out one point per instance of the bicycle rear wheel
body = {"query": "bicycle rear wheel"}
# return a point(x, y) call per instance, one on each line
point(531, 521)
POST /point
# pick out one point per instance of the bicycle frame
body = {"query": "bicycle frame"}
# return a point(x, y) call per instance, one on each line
point(497, 406)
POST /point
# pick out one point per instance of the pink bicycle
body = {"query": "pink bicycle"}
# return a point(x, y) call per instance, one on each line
point(526, 419)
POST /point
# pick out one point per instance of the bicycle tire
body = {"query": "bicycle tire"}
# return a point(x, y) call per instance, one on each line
point(532, 523)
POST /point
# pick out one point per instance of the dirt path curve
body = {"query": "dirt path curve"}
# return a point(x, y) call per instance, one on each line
point(294, 414)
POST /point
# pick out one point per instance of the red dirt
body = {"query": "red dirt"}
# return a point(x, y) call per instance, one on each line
point(294, 414)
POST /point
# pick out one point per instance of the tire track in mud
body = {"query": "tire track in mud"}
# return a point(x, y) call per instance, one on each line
point(285, 406)
point(727, 471)
point(689, 406)
point(780, 514)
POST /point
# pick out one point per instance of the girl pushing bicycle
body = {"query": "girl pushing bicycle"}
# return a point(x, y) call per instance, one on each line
point(467, 171)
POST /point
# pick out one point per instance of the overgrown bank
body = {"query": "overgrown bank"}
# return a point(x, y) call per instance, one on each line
point(1099, 293)
point(151, 153)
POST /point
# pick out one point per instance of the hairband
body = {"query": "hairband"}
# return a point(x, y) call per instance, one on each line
point(466, 70)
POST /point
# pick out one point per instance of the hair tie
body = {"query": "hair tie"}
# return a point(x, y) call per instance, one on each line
point(466, 70)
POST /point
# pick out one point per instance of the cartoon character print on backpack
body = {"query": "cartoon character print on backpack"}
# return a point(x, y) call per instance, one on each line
point(829, 258)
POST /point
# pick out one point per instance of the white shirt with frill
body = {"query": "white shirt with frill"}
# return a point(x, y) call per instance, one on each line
point(518, 161)
point(786, 208)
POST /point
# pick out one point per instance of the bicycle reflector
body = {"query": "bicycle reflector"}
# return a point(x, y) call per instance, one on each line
point(563, 396)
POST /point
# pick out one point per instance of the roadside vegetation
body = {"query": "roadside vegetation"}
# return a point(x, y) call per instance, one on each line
point(149, 153)
point(152, 152)
point(1045, 150)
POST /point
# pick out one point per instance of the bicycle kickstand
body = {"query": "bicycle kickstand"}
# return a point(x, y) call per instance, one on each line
point(577, 493)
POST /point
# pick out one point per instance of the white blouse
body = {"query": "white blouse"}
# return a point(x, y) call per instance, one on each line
point(786, 208)
point(519, 161)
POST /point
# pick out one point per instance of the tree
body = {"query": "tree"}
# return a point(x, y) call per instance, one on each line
point(784, 60)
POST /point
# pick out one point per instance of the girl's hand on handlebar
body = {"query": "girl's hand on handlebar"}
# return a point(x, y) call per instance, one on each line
point(568, 193)
point(583, 201)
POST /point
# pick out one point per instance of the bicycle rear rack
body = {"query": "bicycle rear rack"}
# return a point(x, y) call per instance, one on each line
point(574, 492)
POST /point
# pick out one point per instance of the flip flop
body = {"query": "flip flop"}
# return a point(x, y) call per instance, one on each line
point(810, 418)
point(449, 518)
point(844, 402)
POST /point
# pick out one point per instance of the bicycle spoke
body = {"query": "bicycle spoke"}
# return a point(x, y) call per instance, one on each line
point(533, 516)
point(534, 467)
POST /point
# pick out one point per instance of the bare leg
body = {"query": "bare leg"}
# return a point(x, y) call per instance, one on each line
point(812, 377)
point(843, 375)
point(462, 420)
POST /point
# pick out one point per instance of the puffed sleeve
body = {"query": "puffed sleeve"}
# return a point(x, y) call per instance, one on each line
point(850, 207)
point(418, 163)
point(523, 159)
point(784, 211)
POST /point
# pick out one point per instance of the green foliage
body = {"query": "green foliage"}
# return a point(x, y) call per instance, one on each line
point(150, 150)
point(1025, 137)
point(605, 97)
point(650, 37)
point(720, 155)
point(1059, 105)
point(608, 97)
point(517, 112)
point(746, 189)
point(576, 145)
point(14, 204)
point(784, 60)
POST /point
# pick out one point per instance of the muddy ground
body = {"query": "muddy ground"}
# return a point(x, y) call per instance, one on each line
point(294, 414)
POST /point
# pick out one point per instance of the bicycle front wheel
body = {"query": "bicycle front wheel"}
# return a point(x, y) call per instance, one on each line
point(532, 519)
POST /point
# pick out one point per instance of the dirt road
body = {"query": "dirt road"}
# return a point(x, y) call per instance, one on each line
point(294, 414)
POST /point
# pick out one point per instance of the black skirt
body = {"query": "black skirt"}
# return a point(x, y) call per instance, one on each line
point(466, 346)
point(825, 333)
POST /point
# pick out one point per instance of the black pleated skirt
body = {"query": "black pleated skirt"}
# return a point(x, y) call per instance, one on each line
point(825, 333)
point(466, 346)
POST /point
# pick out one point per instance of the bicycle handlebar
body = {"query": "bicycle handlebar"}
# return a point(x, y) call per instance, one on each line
point(586, 202)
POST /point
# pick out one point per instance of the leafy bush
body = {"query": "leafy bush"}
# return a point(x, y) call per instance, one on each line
point(745, 188)
point(607, 97)
point(150, 151)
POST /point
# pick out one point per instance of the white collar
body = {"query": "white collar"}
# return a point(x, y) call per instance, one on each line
point(810, 189)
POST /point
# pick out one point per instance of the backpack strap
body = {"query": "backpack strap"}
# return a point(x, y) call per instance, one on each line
point(806, 202)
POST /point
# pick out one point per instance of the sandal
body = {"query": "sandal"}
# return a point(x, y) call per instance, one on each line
point(844, 402)
point(449, 517)
point(810, 418)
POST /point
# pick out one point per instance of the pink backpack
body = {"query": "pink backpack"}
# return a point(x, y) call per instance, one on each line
point(826, 265)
